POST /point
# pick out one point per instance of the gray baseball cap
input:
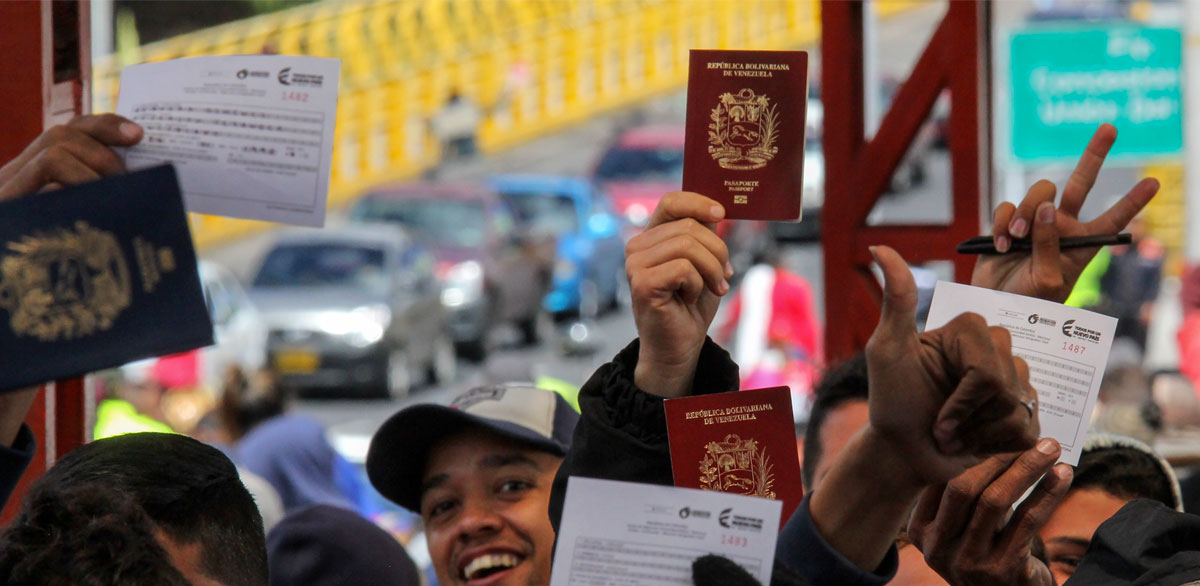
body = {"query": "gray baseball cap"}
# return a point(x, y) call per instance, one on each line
point(400, 449)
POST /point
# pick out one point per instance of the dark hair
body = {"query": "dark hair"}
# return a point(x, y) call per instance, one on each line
point(1124, 472)
point(841, 384)
point(188, 489)
point(83, 536)
point(247, 401)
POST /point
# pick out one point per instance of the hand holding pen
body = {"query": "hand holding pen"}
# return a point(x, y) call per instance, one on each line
point(1050, 268)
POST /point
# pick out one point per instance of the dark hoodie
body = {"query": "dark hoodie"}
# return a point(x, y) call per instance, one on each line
point(291, 453)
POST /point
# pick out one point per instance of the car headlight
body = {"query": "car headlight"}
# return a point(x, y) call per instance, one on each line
point(465, 272)
point(637, 214)
point(463, 284)
point(360, 327)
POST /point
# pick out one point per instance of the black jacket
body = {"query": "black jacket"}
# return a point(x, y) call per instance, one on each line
point(622, 435)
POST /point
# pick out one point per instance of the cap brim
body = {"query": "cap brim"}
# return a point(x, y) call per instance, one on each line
point(400, 449)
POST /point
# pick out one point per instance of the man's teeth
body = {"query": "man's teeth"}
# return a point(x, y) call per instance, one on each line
point(489, 564)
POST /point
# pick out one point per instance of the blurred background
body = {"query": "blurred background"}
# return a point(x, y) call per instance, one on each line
point(492, 157)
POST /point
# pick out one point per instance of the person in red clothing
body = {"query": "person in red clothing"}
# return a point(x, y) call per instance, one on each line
point(773, 326)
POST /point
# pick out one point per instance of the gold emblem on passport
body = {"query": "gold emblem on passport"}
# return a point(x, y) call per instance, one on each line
point(741, 199)
point(744, 129)
point(737, 466)
point(153, 262)
point(65, 284)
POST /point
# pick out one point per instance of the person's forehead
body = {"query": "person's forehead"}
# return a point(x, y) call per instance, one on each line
point(1080, 514)
point(475, 450)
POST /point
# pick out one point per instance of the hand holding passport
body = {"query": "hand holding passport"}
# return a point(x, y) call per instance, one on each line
point(96, 275)
point(745, 131)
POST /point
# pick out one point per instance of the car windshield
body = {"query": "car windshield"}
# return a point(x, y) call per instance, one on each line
point(323, 264)
point(663, 164)
point(545, 213)
point(458, 223)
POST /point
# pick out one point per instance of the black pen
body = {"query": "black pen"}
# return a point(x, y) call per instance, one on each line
point(987, 244)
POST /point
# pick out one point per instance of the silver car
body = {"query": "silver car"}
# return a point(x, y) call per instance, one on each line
point(353, 309)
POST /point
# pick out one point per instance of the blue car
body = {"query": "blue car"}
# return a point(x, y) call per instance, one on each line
point(589, 268)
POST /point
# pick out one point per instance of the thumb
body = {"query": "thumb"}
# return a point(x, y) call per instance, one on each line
point(898, 316)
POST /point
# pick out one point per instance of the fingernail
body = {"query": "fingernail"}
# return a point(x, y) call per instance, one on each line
point(1046, 446)
point(1045, 213)
point(1062, 471)
point(717, 212)
point(1018, 227)
point(874, 254)
point(724, 286)
point(129, 130)
point(1003, 243)
point(728, 269)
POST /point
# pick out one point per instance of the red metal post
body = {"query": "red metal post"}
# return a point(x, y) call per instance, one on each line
point(858, 172)
point(45, 54)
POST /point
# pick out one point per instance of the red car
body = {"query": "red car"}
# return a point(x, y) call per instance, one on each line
point(646, 162)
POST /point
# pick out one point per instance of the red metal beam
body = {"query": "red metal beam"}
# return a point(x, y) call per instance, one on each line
point(857, 171)
point(36, 94)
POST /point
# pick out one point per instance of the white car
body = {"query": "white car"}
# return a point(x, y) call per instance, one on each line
point(238, 328)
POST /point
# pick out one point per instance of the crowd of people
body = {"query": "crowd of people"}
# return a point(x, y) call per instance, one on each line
point(922, 460)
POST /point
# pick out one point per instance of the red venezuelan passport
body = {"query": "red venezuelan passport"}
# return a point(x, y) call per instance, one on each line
point(745, 131)
point(742, 442)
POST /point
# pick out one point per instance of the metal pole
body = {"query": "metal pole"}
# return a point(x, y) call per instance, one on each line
point(873, 108)
point(102, 28)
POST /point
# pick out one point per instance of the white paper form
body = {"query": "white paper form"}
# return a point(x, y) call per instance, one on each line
point(1065, 347)
point(627, 534)
point(251, 136)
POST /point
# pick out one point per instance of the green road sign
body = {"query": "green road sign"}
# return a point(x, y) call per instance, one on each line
point(1065, 82)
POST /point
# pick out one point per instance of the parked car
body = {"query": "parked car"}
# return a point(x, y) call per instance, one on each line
point(646, 162)
point(239, 329)
point(641, 165)
point(355, 308)
point(491, 274)
point(589, 265)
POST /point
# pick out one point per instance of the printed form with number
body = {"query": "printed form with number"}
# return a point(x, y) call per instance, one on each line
point(1065, 347)
point(628, 534)
point(251, 136)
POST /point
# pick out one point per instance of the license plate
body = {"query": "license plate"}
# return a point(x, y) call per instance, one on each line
point(296, 361)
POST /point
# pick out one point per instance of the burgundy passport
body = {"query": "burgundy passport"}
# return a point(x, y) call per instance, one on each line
point(742, 442)
point(745, 131)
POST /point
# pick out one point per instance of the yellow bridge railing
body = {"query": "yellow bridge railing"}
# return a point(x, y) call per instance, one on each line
point(534, 66)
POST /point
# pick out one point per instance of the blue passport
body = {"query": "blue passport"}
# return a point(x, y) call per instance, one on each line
point(96, 275)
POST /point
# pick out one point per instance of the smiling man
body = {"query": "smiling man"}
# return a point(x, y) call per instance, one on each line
point(479, 473)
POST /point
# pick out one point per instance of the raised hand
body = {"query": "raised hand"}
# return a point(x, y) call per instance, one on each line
point(948, 397)
point(75, 152)
point(1046, 271)
point(677, 273)
point(940, 402)
point(964, 527)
